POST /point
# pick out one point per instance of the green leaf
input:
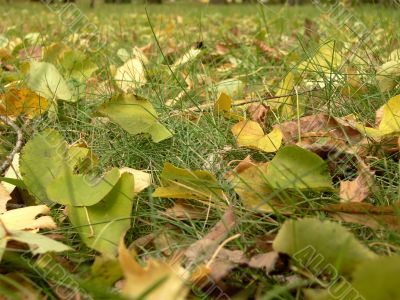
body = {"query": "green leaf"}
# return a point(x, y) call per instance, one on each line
point(136, 115)
point(44, 158)
point(102, 225)
point(296, 168)
point(77, 65)
point(378, 279)
point(81, 190)
point(372, 279)
point(188, 184)
point(38, 244)
point(321, 246)
point(44, 79)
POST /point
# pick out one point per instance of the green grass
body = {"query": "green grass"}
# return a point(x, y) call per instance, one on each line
point(207, 143)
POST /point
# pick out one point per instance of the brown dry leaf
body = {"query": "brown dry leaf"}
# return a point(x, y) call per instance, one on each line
point(202, 250)
point(22, 101)
point(269, 52)
point(376, 217)
point(26, 218)
point(225, 262)
point(184, 211)
point(159, 279)
point(319, 133)
point(4, 198)
point(258, 112)
point(311, 30)
point(266, 261)
point(358, 190)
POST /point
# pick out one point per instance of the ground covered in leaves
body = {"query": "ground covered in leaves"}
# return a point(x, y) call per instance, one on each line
point(199, 152)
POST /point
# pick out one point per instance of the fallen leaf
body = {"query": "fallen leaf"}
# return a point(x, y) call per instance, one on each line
point(357, 190)
point(225, 262)
point(131, 75)
point(136, 115)
point(187, 57)
point(269, 52)
point(81, 190)
point(387, 75)
point(250, 134)
point(4, 198)
point(250, 183)
point(265, 261)
point(282, 103)
point(198, 185)
point(223, 106)
point(324, 61)
point(22, 101)
point(296, 168)
point(77, 65)
point(372, 279)
point(258, 112)
point(184, 211)
point(27, 218)
point(320, 133)
point(376, 217)
point(231, 87)
point(202, 250)
point(45, 80)
point(321, 246)
point(43, 158)
point(156, 280)
point(38, 244)
point(102, 225)
point(142, 179)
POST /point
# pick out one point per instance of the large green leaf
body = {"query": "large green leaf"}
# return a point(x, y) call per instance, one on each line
point(44, 79)
point(44, 158)
point(372, 280)
point(101, 226)
point(321, 246)
point(136, 115)
point(81, 190)
point(378, 279)
point(296, 168)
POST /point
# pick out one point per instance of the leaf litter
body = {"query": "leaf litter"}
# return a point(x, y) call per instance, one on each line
point(303, 183)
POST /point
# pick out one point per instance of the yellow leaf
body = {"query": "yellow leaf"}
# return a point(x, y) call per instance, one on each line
point(26, 218)
point(223, 106)
point(131, 75)
point(141, 178)
point(326, 59)
point(157, 280)
point(4, 198)
point(223, 103)
point(387, 74)
point(22, 101)
point(391, 116)
point(284, 104)
point(250, 134)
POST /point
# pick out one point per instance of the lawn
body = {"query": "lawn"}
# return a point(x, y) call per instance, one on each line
point(189, 151)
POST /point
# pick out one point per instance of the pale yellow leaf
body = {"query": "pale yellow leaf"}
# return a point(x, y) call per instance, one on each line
point(26, 218)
